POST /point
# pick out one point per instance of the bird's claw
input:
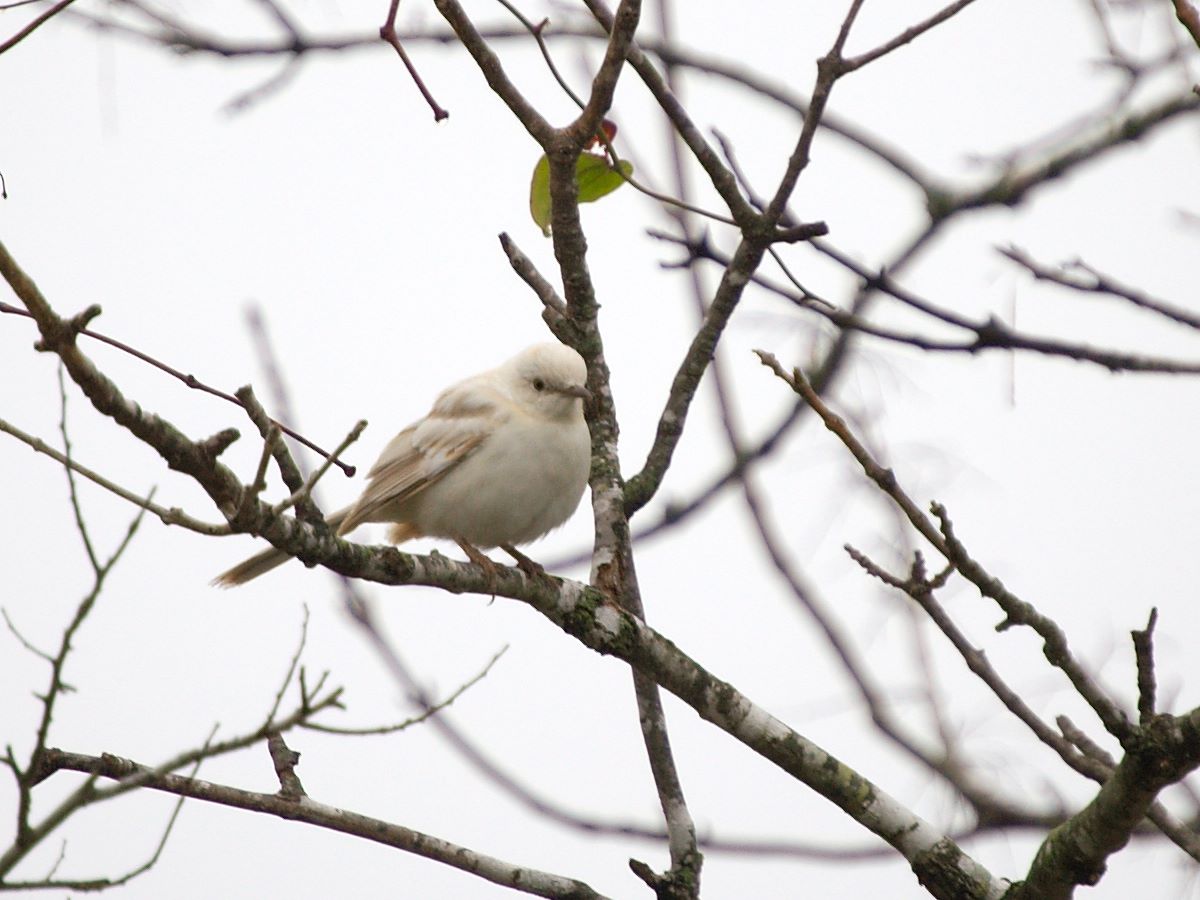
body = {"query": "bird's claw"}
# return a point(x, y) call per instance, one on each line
point(477, 556)
point(531, 568)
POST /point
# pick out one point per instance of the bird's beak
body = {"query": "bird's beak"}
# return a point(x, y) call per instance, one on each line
point(576, 390)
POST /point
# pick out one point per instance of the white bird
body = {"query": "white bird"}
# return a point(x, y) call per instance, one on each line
point(501, 459)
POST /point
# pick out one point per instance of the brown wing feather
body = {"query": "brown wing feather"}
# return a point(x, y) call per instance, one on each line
point(423, 453)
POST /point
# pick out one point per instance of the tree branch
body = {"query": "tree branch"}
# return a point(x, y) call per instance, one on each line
point(1164, 751)
point(35, 25)
point(906, 37)
point(309, 811)
point(8, 267)
point(1094, 282)
point(942, 537)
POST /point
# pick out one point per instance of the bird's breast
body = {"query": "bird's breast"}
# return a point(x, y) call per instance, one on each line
point(524, 480)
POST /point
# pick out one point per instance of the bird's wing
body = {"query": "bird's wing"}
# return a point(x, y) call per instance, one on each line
point(460, 421)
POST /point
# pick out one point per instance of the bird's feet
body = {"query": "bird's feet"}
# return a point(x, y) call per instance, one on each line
point(524, 563)
point(531, 569)
point(477, 556)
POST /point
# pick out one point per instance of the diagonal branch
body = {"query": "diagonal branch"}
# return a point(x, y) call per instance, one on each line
point(907, 36)
point(172, 516)
point(309, 811)
point(1091, 281)
point(1189, 18)
point(1074, 853)
point(387, 33)
point(1011, 187)
point(489, 64)
point(942, 537)
point(985, 335)
point(35, 25)
point(8, 266)
point(722, 179)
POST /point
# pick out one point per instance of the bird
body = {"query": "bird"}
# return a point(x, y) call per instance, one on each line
point(501, 459)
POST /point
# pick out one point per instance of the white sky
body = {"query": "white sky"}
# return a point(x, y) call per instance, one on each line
point(368, 236)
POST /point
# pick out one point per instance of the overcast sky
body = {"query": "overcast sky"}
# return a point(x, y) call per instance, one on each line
point(368, 237)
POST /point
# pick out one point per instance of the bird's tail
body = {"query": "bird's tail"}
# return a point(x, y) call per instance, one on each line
point(261, 563)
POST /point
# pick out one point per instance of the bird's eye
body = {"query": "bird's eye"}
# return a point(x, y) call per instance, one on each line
point(538, 384)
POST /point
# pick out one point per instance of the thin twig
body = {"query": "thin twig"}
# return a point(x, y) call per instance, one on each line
point(190, 380)
point(555, 307)
point(943, 538)
point(538, 32)
point(35, 25)
point(293, 663)
point(281, 16)
point(172, 516)
point(424, 715)
point(24, 641)
point(387, 33)
point(1096, 283)
point(906, 36)
point(282, 78)
point(988, 335)
point(307, 488)
point(76, 509)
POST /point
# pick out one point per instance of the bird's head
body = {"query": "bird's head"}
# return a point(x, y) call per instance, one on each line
point(550, 379)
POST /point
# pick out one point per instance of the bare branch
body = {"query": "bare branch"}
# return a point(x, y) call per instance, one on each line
point(101, 884)
point(906, 37)
point(1075, 852)
point(942, 537)
point(987, 335)
point(1011, 187)
point(1189, 17)
point(48, 760)
point(35, 25)
point(426, 713)
point(285, 760)
point(1094, 282)
point(989, 806)
point(538, 33)
point(387, 33)
point(309, 811)
point(8, 267)
point(1143, 645)
point(921, 589)
point(306, 489)
point(172, 516)
point(497, 79)
point(555, 311)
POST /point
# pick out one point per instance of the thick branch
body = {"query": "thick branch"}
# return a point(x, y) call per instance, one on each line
point(1075, 852)
point(642, 487)
point(583, 612)
point(497, 79)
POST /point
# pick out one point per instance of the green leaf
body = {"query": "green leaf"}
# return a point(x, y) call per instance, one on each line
point(596, 178)
point(539, 195)
point(593, 175)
